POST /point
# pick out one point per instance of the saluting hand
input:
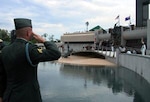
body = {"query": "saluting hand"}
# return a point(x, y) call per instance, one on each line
point(38, 38)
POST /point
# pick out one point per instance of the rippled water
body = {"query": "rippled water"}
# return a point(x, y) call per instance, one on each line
point(70, 83)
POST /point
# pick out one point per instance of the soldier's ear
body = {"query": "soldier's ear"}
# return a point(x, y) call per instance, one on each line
point(29, 34)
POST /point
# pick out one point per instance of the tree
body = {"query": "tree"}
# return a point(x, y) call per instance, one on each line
point(45, 35)
point(4, 35)
point(57, 40)
point(51, 38)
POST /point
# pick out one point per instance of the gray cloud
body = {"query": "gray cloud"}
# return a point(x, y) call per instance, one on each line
point(59, 16)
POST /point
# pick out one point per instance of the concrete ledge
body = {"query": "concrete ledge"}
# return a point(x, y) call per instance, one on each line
point(111, 59)
point(137, 63)
point(148, 52)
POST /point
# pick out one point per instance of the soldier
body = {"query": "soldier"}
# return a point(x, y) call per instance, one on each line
point(18, 64)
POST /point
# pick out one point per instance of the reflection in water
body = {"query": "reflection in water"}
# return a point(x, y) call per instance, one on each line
point(69, 83)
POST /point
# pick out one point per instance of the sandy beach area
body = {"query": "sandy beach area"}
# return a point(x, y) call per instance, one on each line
point(81, 60)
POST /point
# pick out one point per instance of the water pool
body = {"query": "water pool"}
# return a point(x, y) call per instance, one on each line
point(73, 83)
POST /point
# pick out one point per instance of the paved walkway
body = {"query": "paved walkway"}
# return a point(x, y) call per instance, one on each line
point(80, 60)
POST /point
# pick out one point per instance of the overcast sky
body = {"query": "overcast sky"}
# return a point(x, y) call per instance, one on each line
point(56, 17)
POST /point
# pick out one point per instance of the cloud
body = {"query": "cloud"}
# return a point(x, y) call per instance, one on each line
point(50, 29)
point(60, 16)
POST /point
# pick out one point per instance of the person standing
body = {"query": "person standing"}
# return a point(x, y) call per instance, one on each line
point(19, 62)
point(122, 49)
point(143, 48)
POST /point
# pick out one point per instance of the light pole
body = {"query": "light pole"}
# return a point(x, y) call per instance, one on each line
point(87, 24)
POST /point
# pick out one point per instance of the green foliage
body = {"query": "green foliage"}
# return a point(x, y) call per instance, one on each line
point(4, 35)
point(45, 35)
point(51, 38)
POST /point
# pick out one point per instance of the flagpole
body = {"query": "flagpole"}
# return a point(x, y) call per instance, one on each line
point(119, 21)
point(130, 19)
point(118, 18)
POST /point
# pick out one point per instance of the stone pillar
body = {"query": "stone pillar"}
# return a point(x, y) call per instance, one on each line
point(148, 37)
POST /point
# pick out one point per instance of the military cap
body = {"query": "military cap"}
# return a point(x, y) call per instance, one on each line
point(22, 22)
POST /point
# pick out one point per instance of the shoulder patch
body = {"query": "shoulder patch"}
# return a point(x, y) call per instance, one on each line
point(40, 50)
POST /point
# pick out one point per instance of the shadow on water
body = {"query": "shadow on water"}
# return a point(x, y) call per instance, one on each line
point(70, 83)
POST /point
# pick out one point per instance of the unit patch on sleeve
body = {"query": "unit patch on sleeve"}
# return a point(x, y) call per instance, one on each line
point(40, 50)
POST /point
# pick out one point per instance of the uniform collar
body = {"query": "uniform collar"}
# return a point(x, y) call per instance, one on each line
point(21, 40)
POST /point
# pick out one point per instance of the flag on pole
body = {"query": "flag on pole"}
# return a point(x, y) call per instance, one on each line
point(127, 18)
point(117, 17)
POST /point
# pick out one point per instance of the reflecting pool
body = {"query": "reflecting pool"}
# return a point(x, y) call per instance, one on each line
point(73, 83)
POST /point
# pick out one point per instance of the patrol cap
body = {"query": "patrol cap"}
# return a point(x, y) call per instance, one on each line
point(22, 22)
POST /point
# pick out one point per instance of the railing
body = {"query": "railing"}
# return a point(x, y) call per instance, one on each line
point(107, 51)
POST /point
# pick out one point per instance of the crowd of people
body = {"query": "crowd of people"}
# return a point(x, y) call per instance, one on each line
point(103, 45)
